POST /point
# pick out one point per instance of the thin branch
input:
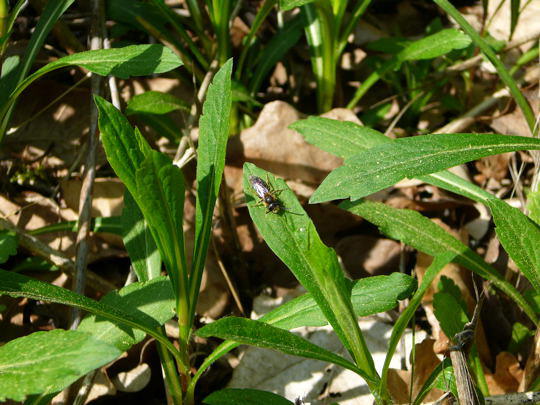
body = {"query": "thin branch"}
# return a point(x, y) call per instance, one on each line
point(89, 174)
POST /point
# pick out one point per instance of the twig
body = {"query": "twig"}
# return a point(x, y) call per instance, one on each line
point(465, 385)
point(89, 174)
point(40, 249)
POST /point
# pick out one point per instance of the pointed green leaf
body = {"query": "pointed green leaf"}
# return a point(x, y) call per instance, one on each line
point(520, 237)
point(260, 334)
point(214, 133)
point(17, 285)
point(415, 230)
point(132, 60)
point(345, 139)
point(123, 149)
point(294, 239)
point(160, 196)
point(139, 243)
point(155, 298)
point(49, 362)
point(370, 296)
point(433, 46)
point(382, 166)
point(244, 396)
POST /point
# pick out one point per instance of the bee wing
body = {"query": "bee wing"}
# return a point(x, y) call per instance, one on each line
point(259, 186)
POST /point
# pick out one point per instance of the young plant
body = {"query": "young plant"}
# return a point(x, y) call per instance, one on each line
point(156, 190)
point(373, 162)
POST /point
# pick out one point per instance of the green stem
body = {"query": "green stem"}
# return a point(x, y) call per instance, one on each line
point(492, 56)
point(4, 12)
point(358, 11)
point(172, 379)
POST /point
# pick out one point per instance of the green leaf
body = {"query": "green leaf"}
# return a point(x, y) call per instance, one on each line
point(49, 362)
point(434, 45)
point(341, 138)
point(449, 307)
point(132, 60)
point(260, 334)
point(125, 149)
point(158, 188)
point(520, 238)
point(155, 102)
point(8, 245)
point(139, 243)
point(293, 238)
point(429, 47)
point(17, 285)
point(244, 396)
point(370, 295)
point(384, 165)
point(98, 224)
point(415, 230)
point(160, 196)
point(155, 298)
point(345, 139)
point(214, 133)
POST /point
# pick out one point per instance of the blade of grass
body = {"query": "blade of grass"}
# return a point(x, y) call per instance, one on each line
point(249, 39)
point(496, 62)
point(274, 51)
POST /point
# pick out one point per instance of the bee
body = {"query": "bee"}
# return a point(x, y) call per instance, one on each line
point(267, 195)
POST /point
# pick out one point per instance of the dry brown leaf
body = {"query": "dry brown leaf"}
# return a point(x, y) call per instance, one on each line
point(508, 374)
point(365, 255)
point(271, 145)
point(399, 381)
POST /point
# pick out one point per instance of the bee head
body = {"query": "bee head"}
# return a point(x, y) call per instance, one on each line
point(274, 207)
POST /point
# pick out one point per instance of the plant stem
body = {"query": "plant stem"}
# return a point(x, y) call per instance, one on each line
point(172, 379)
